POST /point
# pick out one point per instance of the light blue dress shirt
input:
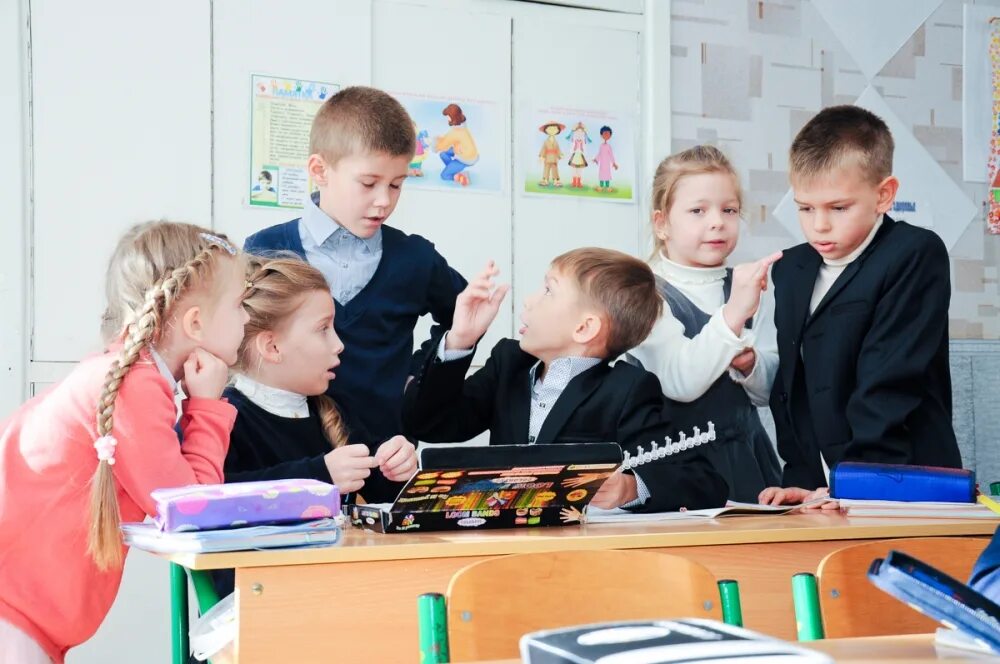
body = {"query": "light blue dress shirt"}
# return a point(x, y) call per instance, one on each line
point(347, 262)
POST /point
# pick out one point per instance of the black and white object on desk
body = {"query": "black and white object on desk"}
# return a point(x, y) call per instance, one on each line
point(656, 452)
point(689, 640)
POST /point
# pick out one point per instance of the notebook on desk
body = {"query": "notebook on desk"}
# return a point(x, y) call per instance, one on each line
point(497, 486)
point(731, 508)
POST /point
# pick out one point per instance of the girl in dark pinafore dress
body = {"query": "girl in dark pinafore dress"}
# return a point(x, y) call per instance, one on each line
point(714, 348)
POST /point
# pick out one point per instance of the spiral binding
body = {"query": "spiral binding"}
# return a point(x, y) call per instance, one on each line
point(656, 452)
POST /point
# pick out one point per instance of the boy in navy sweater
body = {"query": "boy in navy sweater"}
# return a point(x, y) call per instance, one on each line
point(381, 279)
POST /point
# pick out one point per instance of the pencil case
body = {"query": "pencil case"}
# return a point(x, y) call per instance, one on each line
point(882, 481)
point(214, 506)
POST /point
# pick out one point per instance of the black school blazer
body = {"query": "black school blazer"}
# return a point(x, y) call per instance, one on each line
point(866, 376)
point(619, 403)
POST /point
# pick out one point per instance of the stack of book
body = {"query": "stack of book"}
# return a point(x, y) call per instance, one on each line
point(239, 517)
point(919, 509)
point(148, 537)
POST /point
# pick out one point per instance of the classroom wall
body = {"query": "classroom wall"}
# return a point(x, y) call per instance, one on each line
point(748, 75)
point(14, 165)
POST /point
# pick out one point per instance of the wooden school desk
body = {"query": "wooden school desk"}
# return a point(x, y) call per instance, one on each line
point(356, 602)
point(916, 648)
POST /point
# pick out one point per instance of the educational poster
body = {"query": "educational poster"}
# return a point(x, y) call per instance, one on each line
point(577, 152)
point(461, 144)
point(993, 216)
point(282, 111)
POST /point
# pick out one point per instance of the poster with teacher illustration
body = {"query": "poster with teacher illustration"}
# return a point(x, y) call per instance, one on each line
point(460, 143)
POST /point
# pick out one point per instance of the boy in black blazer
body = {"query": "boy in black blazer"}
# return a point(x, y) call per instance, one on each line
point(861, 311)
point(557, 386)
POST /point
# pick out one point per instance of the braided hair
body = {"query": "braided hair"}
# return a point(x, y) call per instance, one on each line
point(161, 261)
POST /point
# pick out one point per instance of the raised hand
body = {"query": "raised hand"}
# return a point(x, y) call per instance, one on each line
point(749, 281)
point(475, 309)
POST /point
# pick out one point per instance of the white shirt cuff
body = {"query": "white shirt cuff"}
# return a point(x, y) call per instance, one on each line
point(449, 355)
point(643, 492)
point(719, 326)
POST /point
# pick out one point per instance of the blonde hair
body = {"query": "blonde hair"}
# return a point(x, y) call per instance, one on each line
point(837, 135)
point(693, 161)
point(361, 120)
point(152, 267)
point(622, 286)
point(277, 287)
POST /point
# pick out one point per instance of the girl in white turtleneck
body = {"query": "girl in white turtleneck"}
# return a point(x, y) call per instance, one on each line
point(714, 348)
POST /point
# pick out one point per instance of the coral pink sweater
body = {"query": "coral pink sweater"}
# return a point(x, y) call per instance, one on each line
point(50, 588)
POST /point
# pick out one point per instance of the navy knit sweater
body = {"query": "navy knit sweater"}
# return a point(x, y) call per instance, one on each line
point(376, 326)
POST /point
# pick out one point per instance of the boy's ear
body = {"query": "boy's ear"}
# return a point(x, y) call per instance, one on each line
point(265, 343)
point(887, 190)
point(589, 329)
point(317, 169)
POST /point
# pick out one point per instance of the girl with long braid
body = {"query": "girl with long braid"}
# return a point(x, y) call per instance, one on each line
point(85, 455)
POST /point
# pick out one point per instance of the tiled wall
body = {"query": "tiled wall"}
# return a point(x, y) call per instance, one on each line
point(746, 75)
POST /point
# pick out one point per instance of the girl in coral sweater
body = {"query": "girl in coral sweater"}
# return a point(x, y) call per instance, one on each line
point(85, 455)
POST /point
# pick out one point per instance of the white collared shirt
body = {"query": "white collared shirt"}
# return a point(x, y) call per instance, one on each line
point(832, 268)
point(274, 400)
point(548, 388)
point(161, 365)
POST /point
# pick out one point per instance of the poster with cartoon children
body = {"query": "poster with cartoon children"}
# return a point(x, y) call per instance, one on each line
point(459, 143)
point(578, 152)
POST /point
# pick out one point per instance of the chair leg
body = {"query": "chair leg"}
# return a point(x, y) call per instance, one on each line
point(732, 608)
point(204, 590)
point(180, 648)
point(432, 617)
point(808, 616)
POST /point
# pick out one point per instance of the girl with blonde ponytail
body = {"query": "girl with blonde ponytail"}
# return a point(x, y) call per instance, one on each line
point(84, 456)
point(287, 426)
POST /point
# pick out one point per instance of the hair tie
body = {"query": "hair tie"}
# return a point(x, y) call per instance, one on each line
point(217, 241)
point(248, 284)
point(105, 446)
